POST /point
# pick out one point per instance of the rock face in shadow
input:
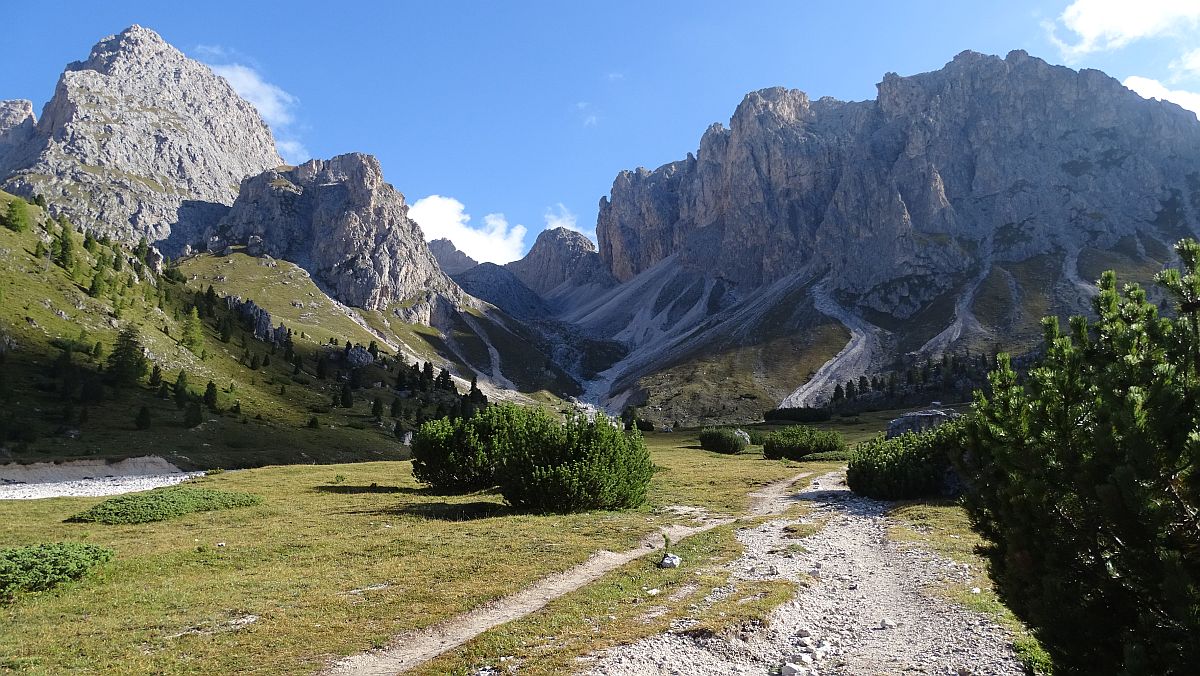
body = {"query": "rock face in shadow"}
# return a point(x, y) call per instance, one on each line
point(132, 134)
point(451, 260)
point(348, 227)
point(896, 200)
point(17, 124)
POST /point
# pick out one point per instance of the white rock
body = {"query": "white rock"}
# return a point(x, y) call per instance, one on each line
point(886, 623)
point(670, 561)
point(790, 669)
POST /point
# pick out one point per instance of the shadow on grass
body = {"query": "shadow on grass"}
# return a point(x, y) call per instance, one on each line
point(373, 488)
point(445, 511)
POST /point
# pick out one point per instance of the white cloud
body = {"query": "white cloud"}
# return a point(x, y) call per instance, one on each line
point(559, 216)
point(495, 242)
point(272, 102)
point(1099, 25)
point(1187, 66)
point(276, 106)
point(1149, 88)
point(591, 121)
point(615, 77)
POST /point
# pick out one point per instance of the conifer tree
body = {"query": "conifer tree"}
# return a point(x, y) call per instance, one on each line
point(17, 216)
point(192, 415)
point(377, 408)
point(210, 396)
point(347, 398)
point(127, 363)
point(181, 392)
point(143, 420)
point(193, 333)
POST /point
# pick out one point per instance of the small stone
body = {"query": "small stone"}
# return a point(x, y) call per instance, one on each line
point(886, 623)
point(976, 590)
point(653, 592)
point(670, 561)
point(790, 669)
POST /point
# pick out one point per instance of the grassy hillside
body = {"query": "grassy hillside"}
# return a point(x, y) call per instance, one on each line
point(56, 338)
point(292, 297)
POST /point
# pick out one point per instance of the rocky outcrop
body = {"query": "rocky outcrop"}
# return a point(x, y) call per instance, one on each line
point(343, 223)
point(560, 256)
point(898, 200)
point(449, 258)
point(917, 422)
point(258, 320)
point(16, 127)
point(140, 140)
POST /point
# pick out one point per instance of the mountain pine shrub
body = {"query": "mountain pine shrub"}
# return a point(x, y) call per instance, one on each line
point(721, 440)
point(578, 466)
point(904, 467)
point(1083, 479)
point(36, 568)
point(163, 503)
point(798, 441)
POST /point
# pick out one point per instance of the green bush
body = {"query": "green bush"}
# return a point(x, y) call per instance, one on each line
point(539, 463)
point(1082, 478)
point(721, 440)
point(464, 454)
point(904, 467)
point(757, 437)
point(41, 567)
point(799, 441)
point(163, 503)
point(578, 466)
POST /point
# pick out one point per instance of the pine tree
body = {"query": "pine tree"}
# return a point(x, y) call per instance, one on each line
point(39, 250)
point(181, 392)
point(850, 392)
point(347, 398)
point(164, 390)
point(192, 415)
point(397, 408)
point(143, 418)
point(193, 333)
point(64, 247)
point(142, 250)
point(373, 349)
point(377, 408)
point(864, 385)
point(127, 363)
point(17, 216)
point(156, 376)
point(322, 368)
point(210, 396)
point(255, 363)
point(839, 394)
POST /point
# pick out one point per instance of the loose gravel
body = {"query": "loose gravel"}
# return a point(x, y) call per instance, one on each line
point(861, 608)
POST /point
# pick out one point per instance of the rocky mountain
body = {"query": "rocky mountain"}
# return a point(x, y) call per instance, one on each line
point(499, 286)
point(138, 140)
point(348, 227)
point(449, 258)
point(561, 262)
point(949, 213)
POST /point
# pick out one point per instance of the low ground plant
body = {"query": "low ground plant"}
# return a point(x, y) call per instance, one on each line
point(40, 567)
point(904, 467)
point(163, 503)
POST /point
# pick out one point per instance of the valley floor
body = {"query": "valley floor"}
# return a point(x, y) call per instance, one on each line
point(343, 560)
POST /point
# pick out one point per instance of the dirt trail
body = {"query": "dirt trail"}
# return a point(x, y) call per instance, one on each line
point(863, 611)
point(411, 649)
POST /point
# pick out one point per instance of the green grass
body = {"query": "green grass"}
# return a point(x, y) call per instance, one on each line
point(172, 601)
point(161, 504)
point(943, 527)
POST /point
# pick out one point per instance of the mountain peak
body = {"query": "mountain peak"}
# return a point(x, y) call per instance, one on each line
point(449, 258)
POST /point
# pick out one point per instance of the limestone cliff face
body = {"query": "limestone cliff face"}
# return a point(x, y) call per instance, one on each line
point(140, 140)
point(896, 200)
point(560, 256)
point(16, 127)
point(348, 227)
point(451, 260)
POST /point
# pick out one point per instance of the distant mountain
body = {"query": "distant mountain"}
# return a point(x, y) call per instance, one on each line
point(449, 258)
point(138, 140)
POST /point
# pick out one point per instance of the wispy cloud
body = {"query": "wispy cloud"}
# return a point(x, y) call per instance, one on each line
point(1186, 66)
point(495, 242)
point(1099, 25)
point(614, 77)
point(1153, 89)
point(276, 105)
point(559, 216)
point(587, 113)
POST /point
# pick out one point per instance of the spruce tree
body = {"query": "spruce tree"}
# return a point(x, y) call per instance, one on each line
point(182, 395)
point(347, 398)
point(17, 216)
point(156, 376)
point(64, 247)
point(377, 408)
point(193, 332)
point(143, 418)
point(192, 415)
point(127, 363)
point(210, 396)
point(397, 408)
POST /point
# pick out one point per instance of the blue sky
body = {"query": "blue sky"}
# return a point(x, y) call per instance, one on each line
point(519, 115)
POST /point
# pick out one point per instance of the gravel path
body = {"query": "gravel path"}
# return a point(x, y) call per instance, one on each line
point(411, 649)
point(863, 611)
